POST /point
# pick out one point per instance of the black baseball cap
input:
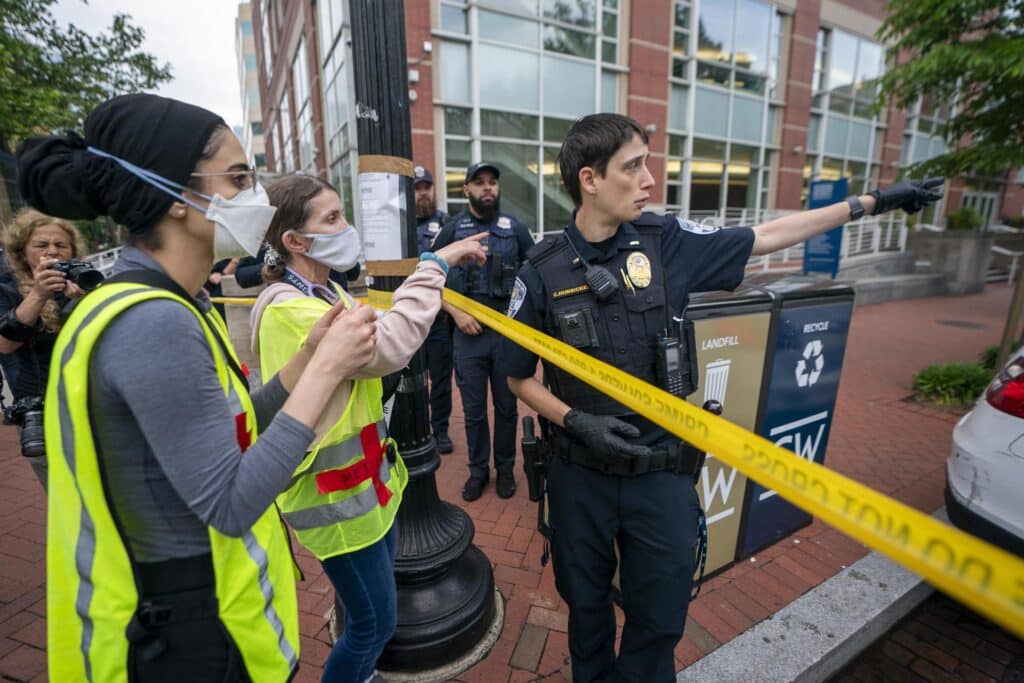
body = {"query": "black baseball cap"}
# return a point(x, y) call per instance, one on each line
point(481, 166)
point(421, 174)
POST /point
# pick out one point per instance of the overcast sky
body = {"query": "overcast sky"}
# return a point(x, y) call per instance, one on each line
point(197, 38)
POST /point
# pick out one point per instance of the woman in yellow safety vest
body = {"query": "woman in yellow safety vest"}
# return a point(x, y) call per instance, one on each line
point(166, 559)
point(343, 497)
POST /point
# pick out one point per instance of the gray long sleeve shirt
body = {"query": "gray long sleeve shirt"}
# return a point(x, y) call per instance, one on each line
point(166, 434)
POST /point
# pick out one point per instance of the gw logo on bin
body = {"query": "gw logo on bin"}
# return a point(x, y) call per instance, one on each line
point(808, 368)
point(802, 436)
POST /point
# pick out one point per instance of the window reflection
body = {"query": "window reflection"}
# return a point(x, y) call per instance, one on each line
point(579, 12)
point(519, 171)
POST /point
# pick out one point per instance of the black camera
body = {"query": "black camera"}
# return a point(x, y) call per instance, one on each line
point(80, 272)
point(27, 413)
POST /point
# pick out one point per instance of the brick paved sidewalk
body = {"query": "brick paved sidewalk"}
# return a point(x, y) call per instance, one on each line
point(877, 438)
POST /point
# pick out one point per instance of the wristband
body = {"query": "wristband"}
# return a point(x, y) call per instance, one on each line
point(14, 329)
point(431, 256)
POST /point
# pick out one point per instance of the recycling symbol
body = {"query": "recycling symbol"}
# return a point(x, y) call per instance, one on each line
point(808, 368)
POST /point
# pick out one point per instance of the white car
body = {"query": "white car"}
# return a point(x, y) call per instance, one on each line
point(985, 470)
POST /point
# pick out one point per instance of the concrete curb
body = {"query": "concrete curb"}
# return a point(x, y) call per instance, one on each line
point(821, 631)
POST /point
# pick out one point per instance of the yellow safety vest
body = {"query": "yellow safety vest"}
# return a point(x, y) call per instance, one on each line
point(91, 592)
point(345, 493)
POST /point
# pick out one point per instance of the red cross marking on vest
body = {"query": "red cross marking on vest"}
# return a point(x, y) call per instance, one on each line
point(368, 468)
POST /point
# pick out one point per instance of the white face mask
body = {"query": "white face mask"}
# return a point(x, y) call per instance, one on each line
point(337, 250)
point(240, 223)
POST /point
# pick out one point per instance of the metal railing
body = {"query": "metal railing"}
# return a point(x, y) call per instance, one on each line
point(103, 261)
point(1013, 256)
point(870, 235)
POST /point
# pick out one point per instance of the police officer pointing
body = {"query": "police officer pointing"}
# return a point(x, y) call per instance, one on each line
point(429, 221)
point(477, 347)
point(610, 286)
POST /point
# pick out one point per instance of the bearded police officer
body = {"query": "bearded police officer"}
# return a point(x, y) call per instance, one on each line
point(477, 347)
point(438, 347)
point(610, 286)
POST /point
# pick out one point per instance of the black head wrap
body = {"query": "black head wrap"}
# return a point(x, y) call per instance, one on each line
point(58, 176)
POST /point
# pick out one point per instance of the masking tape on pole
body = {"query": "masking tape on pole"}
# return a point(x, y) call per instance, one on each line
point(986, 578)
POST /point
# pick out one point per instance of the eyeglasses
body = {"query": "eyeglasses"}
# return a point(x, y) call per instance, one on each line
point(244, 179)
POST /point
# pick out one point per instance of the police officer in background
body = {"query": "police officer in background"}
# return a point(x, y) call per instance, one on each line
point(609, 286)
point(477, 347)
point(429, 221)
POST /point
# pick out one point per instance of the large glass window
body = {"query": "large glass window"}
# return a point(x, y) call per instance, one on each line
point(511, 92)
point(265, 35)
point(285, 157)
point(845, 136)
point(337, 110)
point(722, 104)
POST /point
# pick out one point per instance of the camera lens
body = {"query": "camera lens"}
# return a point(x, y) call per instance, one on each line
point(33, 440)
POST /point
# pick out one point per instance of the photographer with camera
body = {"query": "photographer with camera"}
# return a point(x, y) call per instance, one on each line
point(31, 300)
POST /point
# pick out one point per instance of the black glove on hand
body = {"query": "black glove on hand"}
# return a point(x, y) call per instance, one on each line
point(909, 195)
point(603, 434)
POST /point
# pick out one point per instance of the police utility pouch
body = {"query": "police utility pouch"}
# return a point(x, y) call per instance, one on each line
point(503, 275)
point(577, 328)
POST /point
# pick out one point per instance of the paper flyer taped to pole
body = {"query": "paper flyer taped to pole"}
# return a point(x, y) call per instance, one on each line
point(980, 575)
point(380, 215)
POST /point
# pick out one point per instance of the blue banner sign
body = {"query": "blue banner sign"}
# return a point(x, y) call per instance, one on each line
point(821, 252)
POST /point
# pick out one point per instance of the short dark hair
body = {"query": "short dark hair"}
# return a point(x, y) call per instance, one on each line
point(592, 141)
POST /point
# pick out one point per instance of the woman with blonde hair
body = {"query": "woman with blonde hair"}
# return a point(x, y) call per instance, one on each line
point(32, 295)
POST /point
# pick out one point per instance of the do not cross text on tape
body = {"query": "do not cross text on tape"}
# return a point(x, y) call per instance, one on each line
point(980, 575)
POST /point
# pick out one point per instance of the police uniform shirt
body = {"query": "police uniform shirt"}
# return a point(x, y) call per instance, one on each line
point(464, 219)
point(695, 258)
point(428, 229)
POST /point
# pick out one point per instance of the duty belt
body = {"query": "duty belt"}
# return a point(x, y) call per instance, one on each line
point(678, 457)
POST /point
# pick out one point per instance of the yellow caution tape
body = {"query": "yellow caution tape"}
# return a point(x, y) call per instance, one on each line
point(377, 298)
point(978, 574)
point(234, 300)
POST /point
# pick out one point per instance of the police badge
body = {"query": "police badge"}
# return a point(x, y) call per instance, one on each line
point(638, 267)
point(504, 222)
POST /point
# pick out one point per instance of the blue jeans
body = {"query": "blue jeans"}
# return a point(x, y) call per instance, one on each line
point(364, 581)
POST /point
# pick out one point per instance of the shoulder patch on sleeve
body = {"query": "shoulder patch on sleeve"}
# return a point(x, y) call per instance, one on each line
point(694, 227)
point(515, 302)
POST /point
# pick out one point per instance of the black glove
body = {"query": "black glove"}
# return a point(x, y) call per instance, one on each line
point(909, 195)
point(603, 434)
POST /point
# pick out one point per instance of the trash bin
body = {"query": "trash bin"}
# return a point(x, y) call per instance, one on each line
point(731, 330)
point(807, 341)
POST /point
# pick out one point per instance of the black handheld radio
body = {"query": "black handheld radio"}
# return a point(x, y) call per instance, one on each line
point(669, 364)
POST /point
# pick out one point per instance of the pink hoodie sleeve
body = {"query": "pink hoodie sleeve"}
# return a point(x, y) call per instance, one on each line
point(403, 328)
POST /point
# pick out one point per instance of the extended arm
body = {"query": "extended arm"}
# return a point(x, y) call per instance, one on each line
point(909, 195)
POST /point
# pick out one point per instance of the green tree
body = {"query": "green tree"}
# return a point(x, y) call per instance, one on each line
point(969, 53)
point(52, 76)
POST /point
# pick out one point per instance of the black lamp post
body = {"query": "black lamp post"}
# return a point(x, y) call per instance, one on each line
point(446, 596)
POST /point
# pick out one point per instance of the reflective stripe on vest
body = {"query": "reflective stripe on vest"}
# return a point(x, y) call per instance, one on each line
point(340, 454)
point(91, 592)
point(344, 495)
point(339, 511)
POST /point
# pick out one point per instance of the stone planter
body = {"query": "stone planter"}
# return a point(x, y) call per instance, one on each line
point(961, 256)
